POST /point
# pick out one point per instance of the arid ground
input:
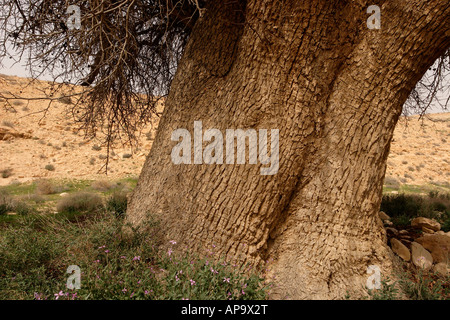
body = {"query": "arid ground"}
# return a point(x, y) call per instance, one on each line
point(32, 140)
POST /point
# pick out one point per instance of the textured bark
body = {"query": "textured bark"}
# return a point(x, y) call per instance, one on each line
point(334, 89)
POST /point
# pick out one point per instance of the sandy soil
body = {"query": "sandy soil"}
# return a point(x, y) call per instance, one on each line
point(420, 152)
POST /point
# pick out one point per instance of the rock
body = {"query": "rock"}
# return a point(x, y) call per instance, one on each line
point(440, 232)
point(442, 269)
point(405, 237)
point(383, 216)
point(403, 232)
point(392, 231)
point(421, 257)
point(63, 194)
point(438, 245)
point(387, 223)
point(407, 243)
point(400, 249)
point(427, 230)
point(425, 222)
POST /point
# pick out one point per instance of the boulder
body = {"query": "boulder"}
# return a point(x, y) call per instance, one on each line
point(387, 223)
point(391, 231)
point(438, 245)
point(442, 269)
point(427, 230)
point(421, 257)
point(405, 236)
point(383, 216)
point(407, 243)
point(400, 249)
point(427, 223)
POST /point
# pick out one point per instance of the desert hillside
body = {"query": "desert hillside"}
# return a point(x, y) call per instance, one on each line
point(33, 146)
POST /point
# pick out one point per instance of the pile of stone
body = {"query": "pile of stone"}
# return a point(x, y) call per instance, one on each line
point(423, 244)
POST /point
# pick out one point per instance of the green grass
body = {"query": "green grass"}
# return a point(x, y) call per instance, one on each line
point(19, 188)
point(416, 189)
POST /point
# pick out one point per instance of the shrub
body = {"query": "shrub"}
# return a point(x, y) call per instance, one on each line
point(388, 291)
point(65, 100)
point(6, 173)
point(44, 186)
point(5, 203)
point(7, 123)
point(79, 202)
point(21, 208)
point(36, 198)
point(103, 185)
point(18, 103)
point(117, 204)
point(401, 205)
point(391, 182)
point(401, 208)
point(401, 220)
point(446, 225)
point(8, 204)
point(422, 286)
point(50, 167)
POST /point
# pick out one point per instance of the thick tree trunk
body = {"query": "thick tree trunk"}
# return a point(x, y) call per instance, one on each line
point(334, 89)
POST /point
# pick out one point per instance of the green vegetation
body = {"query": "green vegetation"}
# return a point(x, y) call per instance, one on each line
point(403, 207)
point(117, 204)
point(50, 167)
point(80, 202)
point(83, 227)
point(413, 285)
point(6, 173)
point(36, 250)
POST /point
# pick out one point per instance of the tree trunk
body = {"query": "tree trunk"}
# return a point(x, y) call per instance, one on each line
point(334, 89)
